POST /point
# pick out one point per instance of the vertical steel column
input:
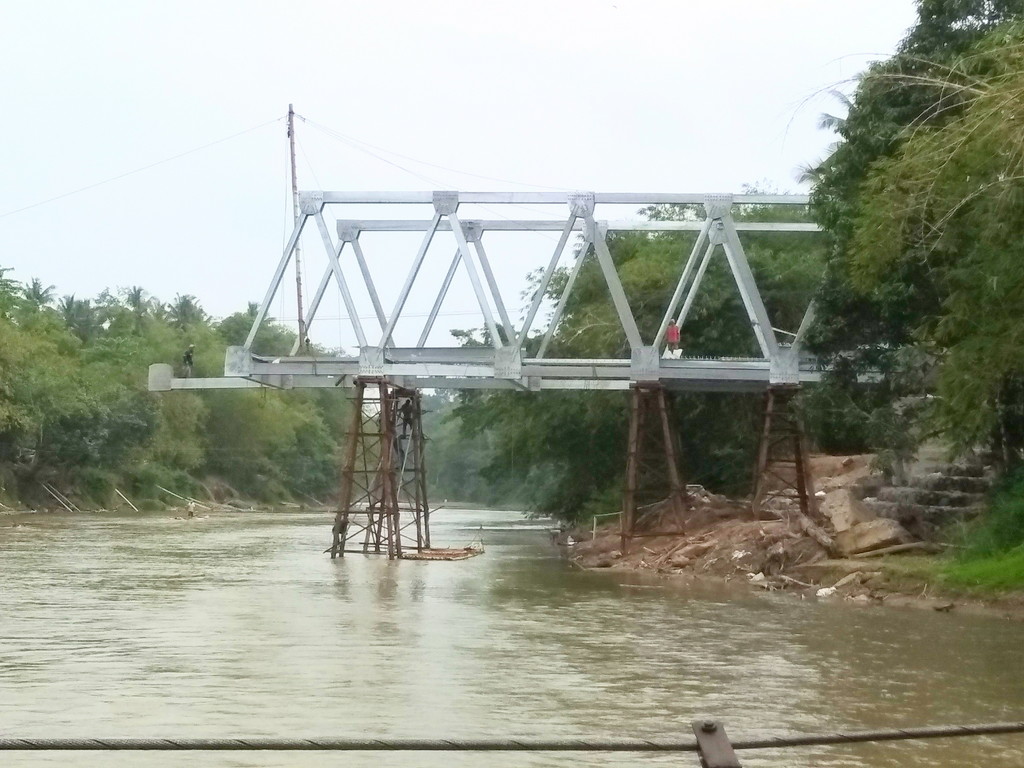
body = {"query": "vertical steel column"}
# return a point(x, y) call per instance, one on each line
point(422, 504)
point(668, 436)
point(782, 465)
point(628, 520)
point(409, 469)
point(341, 519)
point(652, 473)
point(386, 439)
point(389, 490)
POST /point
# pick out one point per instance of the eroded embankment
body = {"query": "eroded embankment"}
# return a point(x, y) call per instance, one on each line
point(862, 558)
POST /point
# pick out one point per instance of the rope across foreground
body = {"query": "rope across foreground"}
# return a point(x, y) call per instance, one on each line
point(496, 745)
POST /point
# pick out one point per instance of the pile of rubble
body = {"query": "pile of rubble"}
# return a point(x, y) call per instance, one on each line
point(858, 517)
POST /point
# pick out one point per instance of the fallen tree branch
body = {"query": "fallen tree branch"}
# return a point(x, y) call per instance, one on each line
point(920, 546)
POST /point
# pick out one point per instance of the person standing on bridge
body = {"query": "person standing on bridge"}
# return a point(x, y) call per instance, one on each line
point(187, 360)
point(672, 337)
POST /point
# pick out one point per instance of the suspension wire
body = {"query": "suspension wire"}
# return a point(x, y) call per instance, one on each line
point(141, 169)
point(496, 745)
point(344, 140)
point(309, 165)
point(356, 145)
point(351, 140)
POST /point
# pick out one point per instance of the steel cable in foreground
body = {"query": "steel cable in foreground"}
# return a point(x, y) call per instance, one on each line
point(503, 745)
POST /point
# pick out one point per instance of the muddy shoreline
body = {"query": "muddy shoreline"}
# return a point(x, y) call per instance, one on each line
point(861, 559)
point(884, 582)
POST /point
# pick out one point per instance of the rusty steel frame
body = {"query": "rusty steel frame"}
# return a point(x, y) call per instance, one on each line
point(782, 457)
point(383, 473)
point(651, 452)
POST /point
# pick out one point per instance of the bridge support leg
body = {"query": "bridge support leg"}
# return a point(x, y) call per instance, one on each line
point(383, 474)
point(783, 469)
point(652, 472)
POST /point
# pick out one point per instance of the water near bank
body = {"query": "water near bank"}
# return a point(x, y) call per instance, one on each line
point(236, 625)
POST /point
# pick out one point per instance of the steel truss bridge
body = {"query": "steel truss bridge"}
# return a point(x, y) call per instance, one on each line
point(509, 363)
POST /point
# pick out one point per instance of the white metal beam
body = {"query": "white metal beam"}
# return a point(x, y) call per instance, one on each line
point(604, 258)
point(551, 198)
point(563, 298)
point(759, 321)
point(404, 295)
point(684, 278)
point(556, 225)
point(439, 300)
point(542, 287)
point(474, 279)
point(275, 281)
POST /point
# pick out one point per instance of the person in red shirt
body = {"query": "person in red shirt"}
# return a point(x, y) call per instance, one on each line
point(672, 336)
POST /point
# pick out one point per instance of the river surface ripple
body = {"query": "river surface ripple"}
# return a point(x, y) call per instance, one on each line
point(237, 625)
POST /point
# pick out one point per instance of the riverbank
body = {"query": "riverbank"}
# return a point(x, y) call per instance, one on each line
point(902, 581)
point(841, 555)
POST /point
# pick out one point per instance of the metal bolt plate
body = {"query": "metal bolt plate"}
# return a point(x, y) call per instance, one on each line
point(311, 203)
point(446, 203)
point(714, 746)
point(581, 203)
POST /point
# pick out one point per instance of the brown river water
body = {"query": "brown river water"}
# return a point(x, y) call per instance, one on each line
point(237, 625)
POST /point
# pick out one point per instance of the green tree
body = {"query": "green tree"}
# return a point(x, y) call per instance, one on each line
point(948, 204)
point(184, 313)
point(38, 295)
point(861, 327)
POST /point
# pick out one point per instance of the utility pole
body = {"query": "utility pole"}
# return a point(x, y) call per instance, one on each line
point(295, 217)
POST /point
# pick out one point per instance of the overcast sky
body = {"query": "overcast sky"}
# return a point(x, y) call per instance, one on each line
point(619, 95)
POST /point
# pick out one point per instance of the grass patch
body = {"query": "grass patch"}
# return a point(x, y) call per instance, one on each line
point(921, 567)
point(1003, 571)
point(993, 554)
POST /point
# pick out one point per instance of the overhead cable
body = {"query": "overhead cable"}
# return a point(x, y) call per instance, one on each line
point(140, 170)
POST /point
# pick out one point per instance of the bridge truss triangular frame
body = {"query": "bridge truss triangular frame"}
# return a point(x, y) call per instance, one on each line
point(507, 362)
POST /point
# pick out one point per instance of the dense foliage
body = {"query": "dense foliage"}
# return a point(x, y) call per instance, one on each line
point(949, 205)
point(75, 413)
point(906, 200)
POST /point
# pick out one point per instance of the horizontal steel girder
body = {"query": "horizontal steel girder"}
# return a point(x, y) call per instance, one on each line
point(554, 225)
point(541, 198)
point(692, 380)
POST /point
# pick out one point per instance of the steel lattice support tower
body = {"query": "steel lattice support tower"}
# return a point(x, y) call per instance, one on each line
point(782, 465)
point(383, 480)
point(652, 472)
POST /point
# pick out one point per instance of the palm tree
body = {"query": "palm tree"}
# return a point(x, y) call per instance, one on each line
point(37, 295)
point(185, 312)
point(810, 173)
point(137, 303)
point(79, 317)
point(9, 293)
point(66, 307)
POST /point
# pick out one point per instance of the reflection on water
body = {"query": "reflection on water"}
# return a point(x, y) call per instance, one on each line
point(237, 625)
